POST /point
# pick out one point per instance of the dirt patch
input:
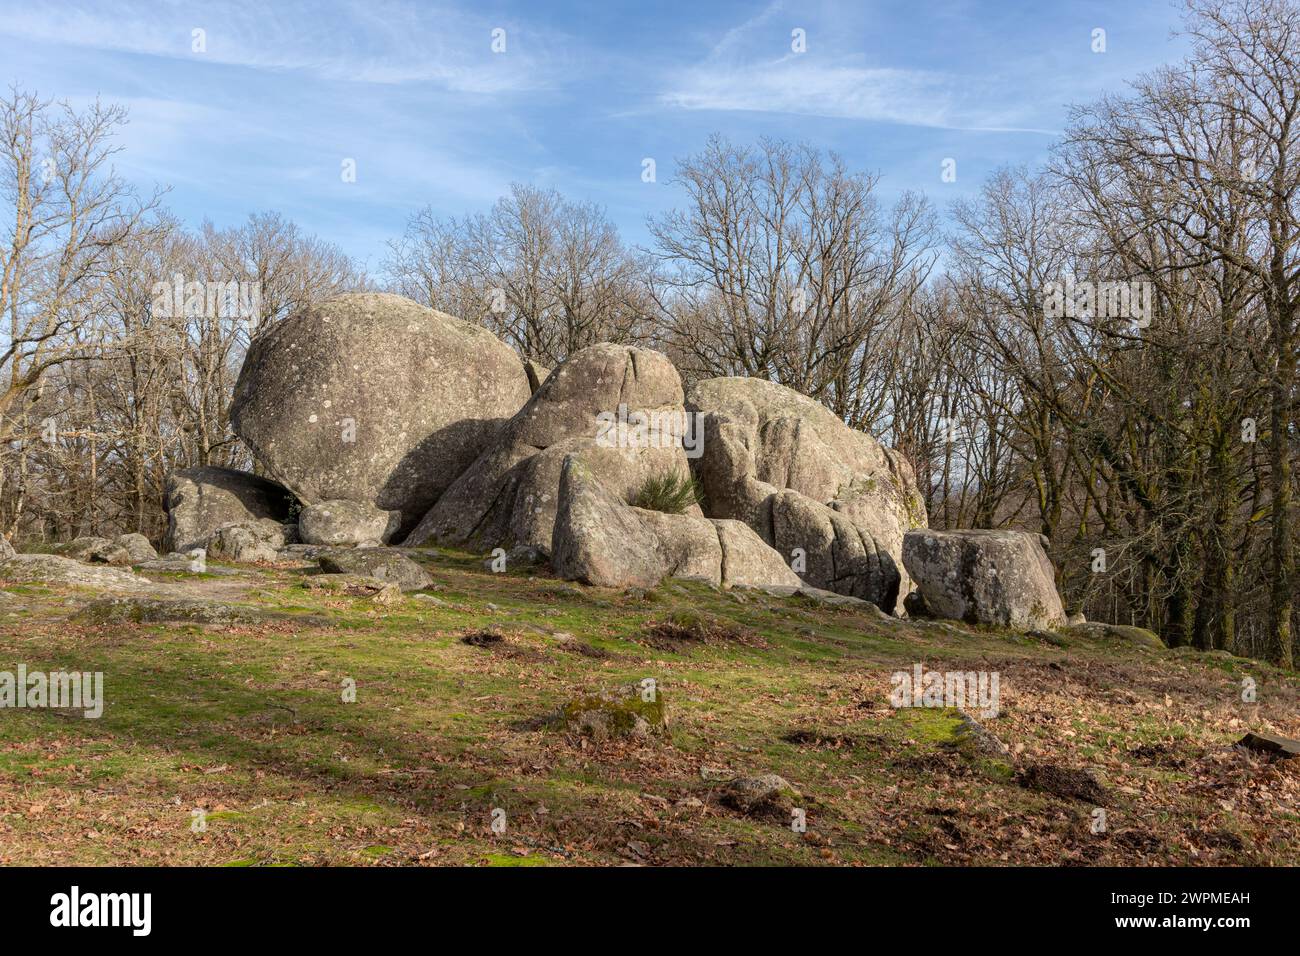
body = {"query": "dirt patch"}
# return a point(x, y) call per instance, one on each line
point(490, 639)
point(502, 645)
point(571, 645)
point(682, 631)
point(820, 739)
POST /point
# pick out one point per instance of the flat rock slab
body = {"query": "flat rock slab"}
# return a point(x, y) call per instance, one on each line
point(53, 569)
point(145, 610)
point(184, 564)
point(355, 585)
point(172, 562)
point(1283, 747)
point(158, 611)
point(820, 595)
point(383, 564)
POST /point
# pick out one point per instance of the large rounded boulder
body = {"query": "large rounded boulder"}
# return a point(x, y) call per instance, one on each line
point(829, 498)
point(375, 399)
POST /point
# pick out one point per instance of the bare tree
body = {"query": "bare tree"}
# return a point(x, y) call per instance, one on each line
point(1205, 155)
point(548, 275)
point(783, 267)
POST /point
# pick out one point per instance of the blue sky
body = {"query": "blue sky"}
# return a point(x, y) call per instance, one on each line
point(583, 92)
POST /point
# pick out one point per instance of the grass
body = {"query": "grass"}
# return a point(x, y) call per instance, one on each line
point(248, 722)
point(671, 492)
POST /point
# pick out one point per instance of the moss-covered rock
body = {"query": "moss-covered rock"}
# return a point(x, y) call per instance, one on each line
point(972, 736)
point(1076, 783)
point(629, 710)
point(1121, 632)
point(157, 611)
point(1049, 637)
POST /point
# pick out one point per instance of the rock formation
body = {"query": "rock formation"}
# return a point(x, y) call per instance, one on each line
point(375, 399)
point(384, 421)
point(510, 495)
point(809, 485)
point(200, 501)
point(985, 577)
point(600, 539)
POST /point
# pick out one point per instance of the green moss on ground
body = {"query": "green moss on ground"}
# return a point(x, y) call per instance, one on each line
point(248, 720)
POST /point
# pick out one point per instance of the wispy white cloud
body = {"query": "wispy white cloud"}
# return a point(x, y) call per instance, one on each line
point(796, 85)
point(374, 41)
point(741, 73)
point(411, 90)
point(789, 85)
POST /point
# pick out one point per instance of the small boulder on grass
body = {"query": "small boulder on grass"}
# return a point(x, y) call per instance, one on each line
point(1048, 637)
point(133, 610)
point(520, 556)
point(765, 795)
point(629, 710)
point(383, 564)
point(1272, 744)
point(974, 736)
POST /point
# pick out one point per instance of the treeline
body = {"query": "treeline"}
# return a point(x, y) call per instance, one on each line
point(1102, 349)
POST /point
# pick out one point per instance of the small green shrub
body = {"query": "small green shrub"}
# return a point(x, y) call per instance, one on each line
point(671, 492)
